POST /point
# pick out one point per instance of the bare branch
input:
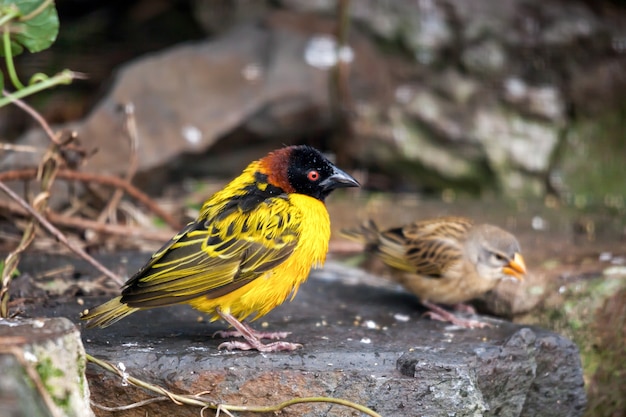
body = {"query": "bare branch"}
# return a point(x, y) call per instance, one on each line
point(29, 173)
point(86, 224)
point(35, 115)
point(59, 236)
point(130, 406)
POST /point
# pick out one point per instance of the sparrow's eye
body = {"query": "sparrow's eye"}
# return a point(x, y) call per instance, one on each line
point(313, 175)
point(498, 257)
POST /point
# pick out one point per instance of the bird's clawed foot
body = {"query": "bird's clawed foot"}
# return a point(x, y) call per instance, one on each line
point(252, 337)
point(458, 321)
point(259, 335)
point(271, 347)
point(438, 313)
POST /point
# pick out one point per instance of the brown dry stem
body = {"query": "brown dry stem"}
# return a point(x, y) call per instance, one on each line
point(133, 136)
point(60, 236)
point(110, 180)
point(80, 223)
point(45, 173)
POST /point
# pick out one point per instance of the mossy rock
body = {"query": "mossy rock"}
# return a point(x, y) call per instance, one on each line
point(592, 312)
point(48, 361)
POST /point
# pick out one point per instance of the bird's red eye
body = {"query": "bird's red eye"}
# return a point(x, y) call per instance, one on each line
point(313, 175)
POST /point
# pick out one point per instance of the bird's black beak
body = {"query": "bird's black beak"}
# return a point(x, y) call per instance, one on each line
point(338, 179)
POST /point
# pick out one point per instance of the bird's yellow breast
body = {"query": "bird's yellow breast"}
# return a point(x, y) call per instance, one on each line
point(270, 290)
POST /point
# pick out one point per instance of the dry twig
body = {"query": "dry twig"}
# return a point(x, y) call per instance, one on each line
point(46, 173)
point(86, 224)
point(129, 406)
point(133, 135)
point(66, 174)
point(35, 115)
point(18, 148)
point(59, 236)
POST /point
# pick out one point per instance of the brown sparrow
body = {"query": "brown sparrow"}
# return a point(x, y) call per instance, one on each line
point(447, 260)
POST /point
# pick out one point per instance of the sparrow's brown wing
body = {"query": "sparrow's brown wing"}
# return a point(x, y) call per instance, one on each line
point(427, 247)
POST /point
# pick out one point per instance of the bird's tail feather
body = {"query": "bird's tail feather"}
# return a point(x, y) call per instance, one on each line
point(366, 233)
point(108, 313)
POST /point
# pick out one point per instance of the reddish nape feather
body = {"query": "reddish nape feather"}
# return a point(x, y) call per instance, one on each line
point(275, 167)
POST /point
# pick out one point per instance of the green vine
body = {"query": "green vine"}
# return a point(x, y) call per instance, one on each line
point(31, 25)
point(6, 43)
point(64, 77)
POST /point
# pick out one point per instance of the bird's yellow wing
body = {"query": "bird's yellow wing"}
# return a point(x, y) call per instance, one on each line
point(427, 248)
point(216, 256)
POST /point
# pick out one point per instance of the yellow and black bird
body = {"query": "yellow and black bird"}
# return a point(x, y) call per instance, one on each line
point(447, 260)
point(252, 245)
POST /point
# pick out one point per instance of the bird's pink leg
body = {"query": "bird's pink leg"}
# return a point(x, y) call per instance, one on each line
point(464, 308)
point(259, 335)
point(253, 338)
point(441, 314)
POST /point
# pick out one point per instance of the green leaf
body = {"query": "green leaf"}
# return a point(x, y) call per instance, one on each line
point(36, 26)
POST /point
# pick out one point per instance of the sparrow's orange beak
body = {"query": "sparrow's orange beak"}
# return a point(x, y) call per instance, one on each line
point(516, 268)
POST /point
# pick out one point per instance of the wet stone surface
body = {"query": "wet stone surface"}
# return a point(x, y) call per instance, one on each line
point(366, 343)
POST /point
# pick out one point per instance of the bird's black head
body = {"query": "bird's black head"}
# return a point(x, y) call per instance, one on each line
point(304, 170)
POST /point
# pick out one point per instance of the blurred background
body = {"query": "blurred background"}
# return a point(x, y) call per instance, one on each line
point(514, 98)
point(511, 112)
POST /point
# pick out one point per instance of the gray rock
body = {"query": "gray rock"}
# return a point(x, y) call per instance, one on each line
point(412, 129)
point(17, 398)
point(424, 28)
point(460, 88)
point(43, 363)
point(543, 101)
point(487, 58)
point(432, 130)
point(365, 343)
point(526, 66)
point(503, 379)
point(510, 139)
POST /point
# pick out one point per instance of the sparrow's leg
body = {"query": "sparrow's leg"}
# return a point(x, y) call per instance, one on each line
point(253, 340)
point(464, 308)
point(438, 313)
